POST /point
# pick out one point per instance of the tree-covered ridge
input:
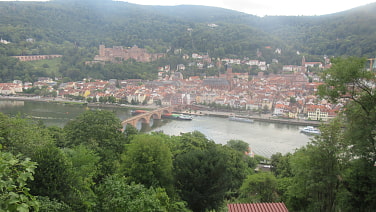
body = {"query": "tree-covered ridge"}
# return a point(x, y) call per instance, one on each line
point(75, 29)
point(346, 33)
point(90, 23)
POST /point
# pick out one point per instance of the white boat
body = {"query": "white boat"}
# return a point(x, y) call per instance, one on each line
point(240, 119)
point(185, 117)
point(310, 130)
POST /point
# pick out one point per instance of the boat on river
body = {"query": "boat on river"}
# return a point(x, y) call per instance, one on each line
point(240, 119)
point(177, 116)
point(310, 130)
point(185, 117)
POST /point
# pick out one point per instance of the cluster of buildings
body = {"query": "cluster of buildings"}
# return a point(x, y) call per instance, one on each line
point(287, 95)
point(119, 53)
point(290, 94)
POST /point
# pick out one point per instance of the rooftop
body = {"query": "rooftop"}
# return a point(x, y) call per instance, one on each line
point(257, 207)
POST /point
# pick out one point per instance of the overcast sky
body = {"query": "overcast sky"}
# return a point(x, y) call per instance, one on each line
point(266, 7)
point(269, 7)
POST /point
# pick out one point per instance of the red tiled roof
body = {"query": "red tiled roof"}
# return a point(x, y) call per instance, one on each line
point(257, 207)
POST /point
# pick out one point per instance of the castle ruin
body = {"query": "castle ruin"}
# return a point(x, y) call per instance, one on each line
point(118, 53)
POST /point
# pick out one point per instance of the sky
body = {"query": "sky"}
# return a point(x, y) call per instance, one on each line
point(265, 7)
point(269, 7)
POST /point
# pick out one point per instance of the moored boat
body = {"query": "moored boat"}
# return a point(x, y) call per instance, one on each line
point(177, 116)
point(240, 119)
point(170, 116)
point(310, 130)
point(185, 117)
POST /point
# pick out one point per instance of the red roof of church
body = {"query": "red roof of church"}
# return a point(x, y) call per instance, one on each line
point(257, 207)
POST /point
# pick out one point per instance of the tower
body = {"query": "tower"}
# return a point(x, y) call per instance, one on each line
point(303, 69)
point(229, 75)
point(303, 61)
point(101, 50)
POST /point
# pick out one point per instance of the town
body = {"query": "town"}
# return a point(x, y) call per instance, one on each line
point(289, 94)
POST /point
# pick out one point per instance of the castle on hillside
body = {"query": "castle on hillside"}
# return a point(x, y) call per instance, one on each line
point(118, 53)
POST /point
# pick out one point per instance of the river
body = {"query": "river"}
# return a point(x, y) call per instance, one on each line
point(264, 138)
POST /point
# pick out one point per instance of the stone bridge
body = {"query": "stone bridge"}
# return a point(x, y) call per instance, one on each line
point(146, 118)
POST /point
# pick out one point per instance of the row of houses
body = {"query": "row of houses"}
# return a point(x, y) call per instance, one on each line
point(272, 94)
point(289, 95)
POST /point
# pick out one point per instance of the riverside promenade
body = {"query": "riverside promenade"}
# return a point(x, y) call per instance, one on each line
point(261, 118)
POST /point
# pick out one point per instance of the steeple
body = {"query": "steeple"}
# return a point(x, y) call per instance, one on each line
point(303, 61)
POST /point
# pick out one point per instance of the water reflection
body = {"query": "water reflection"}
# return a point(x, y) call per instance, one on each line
point(53, 113)
point(264, 138)
point(11, 103)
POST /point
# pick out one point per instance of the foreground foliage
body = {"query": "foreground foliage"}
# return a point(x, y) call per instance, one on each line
point(14, 191)
point(91, 165)
point(336, 171)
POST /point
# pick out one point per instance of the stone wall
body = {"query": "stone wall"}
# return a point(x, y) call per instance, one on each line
point(37, 57)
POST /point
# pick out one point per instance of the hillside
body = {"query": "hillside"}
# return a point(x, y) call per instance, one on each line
point(75, 29)
point(346, 33)
point(90, 23)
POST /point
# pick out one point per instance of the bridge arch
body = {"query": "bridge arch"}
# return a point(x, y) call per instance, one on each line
point(140, 122)
point(166, 112)
point(146, 118)
point(155, 116)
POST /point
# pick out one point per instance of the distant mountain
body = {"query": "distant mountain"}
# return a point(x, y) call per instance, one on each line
point(88, 23)
point(352, 32)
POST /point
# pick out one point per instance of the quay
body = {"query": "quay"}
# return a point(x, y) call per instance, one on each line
point(261, 118)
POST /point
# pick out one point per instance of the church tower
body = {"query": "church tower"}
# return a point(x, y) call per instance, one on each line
point(229, 75)
point(303, 61)
point(303, 64)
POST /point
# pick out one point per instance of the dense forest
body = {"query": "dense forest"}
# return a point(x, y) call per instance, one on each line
point(63, 27)
point(92, 165)
point(90, 23)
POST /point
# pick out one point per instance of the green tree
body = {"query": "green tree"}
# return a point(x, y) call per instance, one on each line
point(115, 194)
point(358, 180)
point(292, 100)
point(148, 161)
point(47, 205)
point(260, 187)
point(243, 147)
point(22, 136)
point(238, 145)
point(14, 191)
point(281, 165)
point(204, 177)
point(100, 131)
point(84, 170)
point(58, 135)
point(129, 132)
point(52, 177)
point(111, 99)
point(317, 170)
point(349, 80)
point(191, 141)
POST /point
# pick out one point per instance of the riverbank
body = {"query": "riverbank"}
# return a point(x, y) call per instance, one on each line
point(68, 101)
point(262, 117)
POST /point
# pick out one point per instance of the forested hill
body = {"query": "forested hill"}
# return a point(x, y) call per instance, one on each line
point(87, 23)
point(351, 32)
